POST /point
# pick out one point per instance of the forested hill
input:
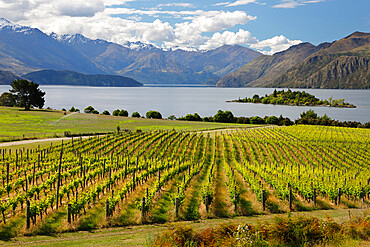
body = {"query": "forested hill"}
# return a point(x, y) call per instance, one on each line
point(341, 64)
point(52, 77)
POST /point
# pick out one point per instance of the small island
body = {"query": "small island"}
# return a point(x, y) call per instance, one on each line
point(296, 98)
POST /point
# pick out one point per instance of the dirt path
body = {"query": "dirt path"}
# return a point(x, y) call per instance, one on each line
point(16, 143)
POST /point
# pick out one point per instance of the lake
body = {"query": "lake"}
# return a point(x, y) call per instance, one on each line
point(206, 101)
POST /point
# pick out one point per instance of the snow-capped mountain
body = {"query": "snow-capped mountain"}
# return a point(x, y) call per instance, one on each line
point(24, 49)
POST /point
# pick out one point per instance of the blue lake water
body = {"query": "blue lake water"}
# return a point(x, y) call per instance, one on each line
point(206, 101)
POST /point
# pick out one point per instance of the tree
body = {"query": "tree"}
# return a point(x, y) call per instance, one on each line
point(310, 114)
point(106, 112)
point(90, 110)
point(224, 117)
point(123, 113)
point(116, 112)
point(135, 114)
point(28, 94)
point(153, 114)
point(8, 99)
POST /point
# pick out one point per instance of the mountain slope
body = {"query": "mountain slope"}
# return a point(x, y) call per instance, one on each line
point(51, 77)
point(341, 64)
point(6, 77)
point(345, 64)
point(264, 69)
point(132, 59)
point(24, 49)
point(30, 49)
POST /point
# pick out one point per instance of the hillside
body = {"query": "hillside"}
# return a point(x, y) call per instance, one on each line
point(341, 64)
point(51, 77)
point(24, 50)
point(7, 77)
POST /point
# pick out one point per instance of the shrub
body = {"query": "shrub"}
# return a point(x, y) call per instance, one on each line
point(123, 113)
point(136, 114)
point(224, 117)
point(106, 112)
point(153, 114)
point(115, 112)
point(257, 120)
point(89, 109)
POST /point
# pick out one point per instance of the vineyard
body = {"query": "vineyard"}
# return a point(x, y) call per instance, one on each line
point(164, 176)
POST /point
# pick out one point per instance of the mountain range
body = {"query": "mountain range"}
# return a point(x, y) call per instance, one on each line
point(25, 49)
point(340, 64)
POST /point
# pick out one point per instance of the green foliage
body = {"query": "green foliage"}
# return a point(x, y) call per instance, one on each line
point(105, 112)
point(172, 117)
point(257, 120)
point(272, 120)
point(309, 114)
point(27, 94)
point(224, 117)
point(89, 109)
point(293, 98)
point(191, 117)
point(8, 99)
point(136, 114)
point(116, 112)
point(123, 113)
point(153, 114)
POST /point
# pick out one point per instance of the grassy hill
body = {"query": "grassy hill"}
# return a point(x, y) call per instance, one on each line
point(17, 124)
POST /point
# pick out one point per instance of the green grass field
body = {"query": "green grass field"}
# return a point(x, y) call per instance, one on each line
point(18, 124)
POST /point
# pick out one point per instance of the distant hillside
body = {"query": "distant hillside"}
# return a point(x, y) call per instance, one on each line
point(6, 77)
point(24, 50)
point(52, 77)
point(341, 64)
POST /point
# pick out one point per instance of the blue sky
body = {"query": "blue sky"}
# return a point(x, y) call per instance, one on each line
point(269, 26)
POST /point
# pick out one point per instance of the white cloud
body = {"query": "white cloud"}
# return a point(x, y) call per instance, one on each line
point(78, 7)
point(241, 2)
point(242, 37)
point(276, 44)
point(116, 2)
point(289, 4)
point(185, 5)
point(221, 4)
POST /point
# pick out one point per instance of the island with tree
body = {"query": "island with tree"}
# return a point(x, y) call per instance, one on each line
point(295, 98)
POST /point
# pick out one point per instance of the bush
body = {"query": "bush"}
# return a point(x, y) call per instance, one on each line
point(257, 120)
point(89, 109)
point(136, 114)
point(123, 113)
point(224, 117)
point(153, 114)
point(272, 120)
point(116, 112)
point(106, 112)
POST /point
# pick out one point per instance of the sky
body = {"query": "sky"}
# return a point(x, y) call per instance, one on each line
point(269, 26)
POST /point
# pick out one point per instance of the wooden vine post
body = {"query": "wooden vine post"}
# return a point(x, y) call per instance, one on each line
point(263, 200)
point(143, 208)
point(69, 211)
point(59, 170)
point(28, 214)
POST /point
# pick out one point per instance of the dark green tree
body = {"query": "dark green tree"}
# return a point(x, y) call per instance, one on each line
point(310, 114)
point(28, 94)
point(135, 114)
point(123, 113)
point(90, 110)
point(153, 114)
point(116, 112)
point(106, 112)
point(224, 117)
point(8, 99)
